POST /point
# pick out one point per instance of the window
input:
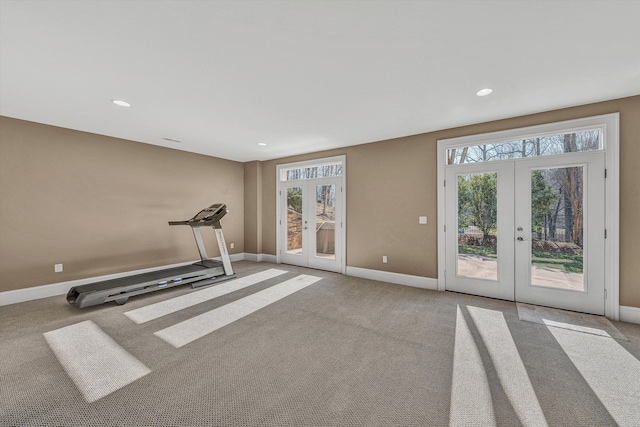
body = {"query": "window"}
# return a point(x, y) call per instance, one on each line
point(311, 172)
point(550, 145)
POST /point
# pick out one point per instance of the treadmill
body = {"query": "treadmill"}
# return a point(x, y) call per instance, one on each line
point(204, 272)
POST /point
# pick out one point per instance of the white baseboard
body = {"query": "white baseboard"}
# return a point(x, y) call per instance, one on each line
point(260, 257)
point(251, 257)
point(630, 314)
point(233, 257)
point(61, 288)
point(38, 292)
point(397, 278)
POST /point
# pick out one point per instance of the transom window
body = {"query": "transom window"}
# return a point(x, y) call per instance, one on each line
point(311, 172)
point(549, 145)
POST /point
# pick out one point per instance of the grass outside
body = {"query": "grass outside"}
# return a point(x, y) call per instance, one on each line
point(562, 262)
point(478, 250)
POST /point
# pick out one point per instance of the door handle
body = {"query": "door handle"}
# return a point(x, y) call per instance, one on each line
point(520, 239)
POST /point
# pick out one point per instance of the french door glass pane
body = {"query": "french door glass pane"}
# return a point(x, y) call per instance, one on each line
point(557, 232)
point(325, 221)
point(477, 226)
point(294, 220)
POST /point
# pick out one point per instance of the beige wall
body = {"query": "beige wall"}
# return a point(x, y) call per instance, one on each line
point(100, 205)
point(252, 205)
point(390, 183)
point(380, 177)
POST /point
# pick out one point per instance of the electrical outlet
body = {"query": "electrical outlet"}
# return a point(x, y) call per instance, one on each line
point(232, 245)
point(57, 268)
point(422, 220)
point(384, 259)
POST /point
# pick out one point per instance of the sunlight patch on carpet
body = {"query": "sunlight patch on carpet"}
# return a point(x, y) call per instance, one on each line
point(190, 330)
point(506, 359)
point(471, 402)
point(579, 322)
point(96, 364)
point(163, 308)
point(610, 370)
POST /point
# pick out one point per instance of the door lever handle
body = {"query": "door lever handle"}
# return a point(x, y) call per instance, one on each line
point(520, 239)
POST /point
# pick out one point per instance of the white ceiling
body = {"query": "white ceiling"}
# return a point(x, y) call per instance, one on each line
point(304, 76)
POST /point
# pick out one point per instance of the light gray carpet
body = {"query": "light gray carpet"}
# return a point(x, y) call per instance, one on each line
point(581, 322)
point(341, 351)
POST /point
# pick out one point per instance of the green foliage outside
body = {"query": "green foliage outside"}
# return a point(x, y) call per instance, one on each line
point(562, 262)
point(543, 196)
point(568, 263)
point(477, 207)
point(478, 250)
point(478, 202)
point(294, 199)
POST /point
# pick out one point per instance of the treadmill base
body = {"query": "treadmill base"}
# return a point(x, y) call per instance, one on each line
point(119, 290)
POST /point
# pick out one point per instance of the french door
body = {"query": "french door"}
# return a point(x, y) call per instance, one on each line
point(529, 230)
point(311, 222)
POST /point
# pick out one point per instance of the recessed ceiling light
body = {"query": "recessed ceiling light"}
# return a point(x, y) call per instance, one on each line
point(121, 103)
point(262, 144)
point(484, 92)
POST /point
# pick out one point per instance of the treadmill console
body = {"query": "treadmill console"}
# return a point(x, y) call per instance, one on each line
point(206, 217)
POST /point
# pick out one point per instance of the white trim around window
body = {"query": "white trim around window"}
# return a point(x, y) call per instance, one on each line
point(609, 124)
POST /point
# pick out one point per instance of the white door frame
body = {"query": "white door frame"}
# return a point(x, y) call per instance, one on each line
point(281, 216)
point(609, 125)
